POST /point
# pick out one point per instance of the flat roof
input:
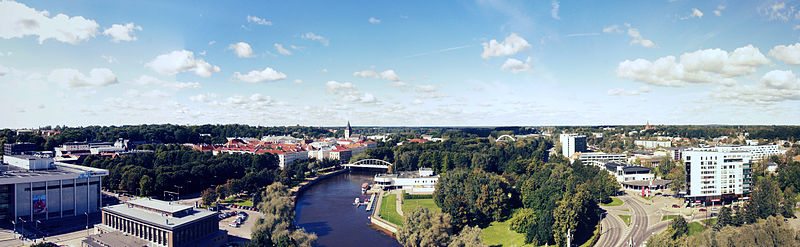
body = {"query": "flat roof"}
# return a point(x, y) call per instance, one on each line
point(11, 174)
point(114, 238)
point(159, 205)
point(154, 218)
point(656, 182)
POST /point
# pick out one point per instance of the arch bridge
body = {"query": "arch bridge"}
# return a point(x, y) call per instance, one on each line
point(507, 137)
point(370, 163)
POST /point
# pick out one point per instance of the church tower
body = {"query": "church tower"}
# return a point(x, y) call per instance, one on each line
point(347, 131)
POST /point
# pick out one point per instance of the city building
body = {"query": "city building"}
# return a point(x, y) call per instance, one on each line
point(599, 158)
point(347, 131)
point(19, 148)
point(572, 143)
point(34, 187)
point(713, 174)
point(757, 153)
point(422, 181)
point(341, 154)
point(162, 223)
point(652, 144)
point(676, 153)
point(625, 172)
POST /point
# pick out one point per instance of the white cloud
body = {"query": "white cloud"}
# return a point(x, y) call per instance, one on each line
point(153, 94)
point(554, 11)
point(701, 66)
point(789, 54)
point(254, 102)
point(3, 70)
point(282, 50)
point(18, 20)
point(425, 88)
point(335, 87)
point(109, 59)
point(212, 42)
point(390, 75)
point(312, 36)
point(696, 13)
point(268, 74)
point(242, 49)
point(637, 37)
point(72, 78)
point(349, 93)
point(775, 86)
point(612, 29)
point(181, 61)
point(398, 84)
point(516, 66)
point(122, 32)
point(298, 81)
point(780, 79)
point(206, 97)
point(366, 74)
point(623, 92)
point(259, 21)
point(373, 20)
point(779, 11)
point(719, 10)
point(510, 46)
point(146, 80)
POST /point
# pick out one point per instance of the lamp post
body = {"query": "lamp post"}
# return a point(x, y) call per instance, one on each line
point(87, 223)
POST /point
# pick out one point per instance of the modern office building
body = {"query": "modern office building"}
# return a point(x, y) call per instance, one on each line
point(652, 144)
point(162, 223)
point(572, 143)
point(625, 172)
point(422, 181)
point(34, 188)
point(716, 174)
point(19, 148)
point(757, 153)
point(599, 158)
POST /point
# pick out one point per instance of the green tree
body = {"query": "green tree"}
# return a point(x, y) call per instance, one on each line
point(146, 186)
point(222, 191)
point(766, 197)
point(522, 219)
point(209, 196)
point(468, 237)
point(575, 215)
point(724, 219)
point(423, 227)
point(678, 227)
point(789, 200)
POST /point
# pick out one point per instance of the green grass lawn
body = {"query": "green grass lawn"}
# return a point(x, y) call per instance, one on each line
point(668, 217)
point(626, 219)
point(625, 210)
point(239, 201)
point(614, 202)
point(498, 234)
point(389, 210)
point(710, 222)
point(411, 204)
point(695, 227)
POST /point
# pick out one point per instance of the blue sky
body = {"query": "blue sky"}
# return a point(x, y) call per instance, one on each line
point(410, 63)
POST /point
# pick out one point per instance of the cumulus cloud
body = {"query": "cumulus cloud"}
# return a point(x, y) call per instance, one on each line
point(146, 80)
point(788, 54)
point(398, 84)
point(425, 88)
point(637, 37)
point(612, 29)
point(349, 93)
point(258, 20)
point(242, 49)
point(18, 20)
point(554, 11)
point(390, 75)
point(298, 81)
point(696, 13)
point(510, 46)
point(336, 87)
point(282, 50)
point(516, 66)
point(72, 78)
point(204, 98)
point(701, 66)
point(778, 11)
point(623, 92)
point(122, 32)
point(366, 74)
point(181, 61)
point(254, 102)
point(774, 87)
point(268, 74)
point(109, 59)
point(312, 36)
point(718, 11)
point(374, 20)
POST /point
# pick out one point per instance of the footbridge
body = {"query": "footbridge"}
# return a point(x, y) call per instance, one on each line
point(369, 163)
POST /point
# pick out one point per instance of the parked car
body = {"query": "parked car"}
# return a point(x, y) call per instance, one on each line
point(703, 210)
point(675, 206)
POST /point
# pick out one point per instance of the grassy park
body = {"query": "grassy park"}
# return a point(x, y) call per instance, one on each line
point(410, 204)
point(695, 227)
point(389, 210)
point(668, 217)
point(614, 202)
point(499, 234)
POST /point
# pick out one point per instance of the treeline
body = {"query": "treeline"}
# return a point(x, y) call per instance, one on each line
point(177, 168)
point(166, 133)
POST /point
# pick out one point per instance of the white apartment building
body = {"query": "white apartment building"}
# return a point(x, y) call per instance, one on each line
point(652, 144)
point(599, 158)
point(422, 181)
point(715, 174)
point(757, 153)
point(572, 143)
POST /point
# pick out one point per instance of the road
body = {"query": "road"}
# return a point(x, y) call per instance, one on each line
point(638, 233)
point(612, 227)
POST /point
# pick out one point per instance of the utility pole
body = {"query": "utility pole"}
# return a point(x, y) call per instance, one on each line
point(569, 238)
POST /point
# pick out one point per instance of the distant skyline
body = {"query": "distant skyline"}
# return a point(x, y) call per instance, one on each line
point(406, 63)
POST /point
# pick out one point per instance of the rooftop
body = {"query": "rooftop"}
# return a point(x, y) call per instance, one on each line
point(12, 174)
point(157, 219)
point(114, 238)
point(159, 205)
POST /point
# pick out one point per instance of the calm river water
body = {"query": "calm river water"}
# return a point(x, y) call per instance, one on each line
point(326, 209)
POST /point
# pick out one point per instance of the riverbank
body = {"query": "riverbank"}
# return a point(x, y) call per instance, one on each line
point(297, 190)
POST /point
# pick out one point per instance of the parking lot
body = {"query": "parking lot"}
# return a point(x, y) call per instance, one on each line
point(242, 232)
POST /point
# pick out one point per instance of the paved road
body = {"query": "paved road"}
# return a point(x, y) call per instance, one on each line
point(638, 233)
point(612, 227)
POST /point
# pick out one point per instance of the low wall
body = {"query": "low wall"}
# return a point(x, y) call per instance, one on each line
point(376, 220)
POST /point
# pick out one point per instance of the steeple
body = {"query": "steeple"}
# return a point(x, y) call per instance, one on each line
point(347, 131)
point(647, 127)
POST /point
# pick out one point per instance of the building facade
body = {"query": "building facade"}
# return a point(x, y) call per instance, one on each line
point(19, 148)
point(757, 153)
point(572, 143)
point(598, 158)
point(652, 144)
point(422, 181)
point(713, 175)
point(162, 223)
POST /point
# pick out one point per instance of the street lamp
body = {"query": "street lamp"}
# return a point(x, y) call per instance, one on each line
point(87, 223)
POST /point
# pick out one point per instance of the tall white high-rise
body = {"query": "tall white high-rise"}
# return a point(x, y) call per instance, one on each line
point(572, 143)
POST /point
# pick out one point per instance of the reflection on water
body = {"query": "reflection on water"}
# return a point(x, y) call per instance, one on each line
point(326, 209)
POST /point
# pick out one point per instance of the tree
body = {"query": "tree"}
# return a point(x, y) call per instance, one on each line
point(468, 237)
point(222, 191)
point(724, 219)
point(522, 220)
point(209, 196)
point(146, 186)
point(423, 227)
point(678, 227)
point(576, 215)
point(766, 197)
point(789, 200)
point(472, 197)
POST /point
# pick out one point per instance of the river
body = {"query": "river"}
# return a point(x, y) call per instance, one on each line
point(326, 208)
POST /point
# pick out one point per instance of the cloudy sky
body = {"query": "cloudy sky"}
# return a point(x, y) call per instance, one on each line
point(410, 63)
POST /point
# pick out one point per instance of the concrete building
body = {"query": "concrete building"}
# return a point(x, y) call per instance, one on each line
point(162, 223)
point(572, 143)
point(341, 154)
point(422, 181)
point(19, 148)
point(757, 153)
point(33, 188)
point(716, 174)
point(599, 158)
point(625, 172)
point(652, 144)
